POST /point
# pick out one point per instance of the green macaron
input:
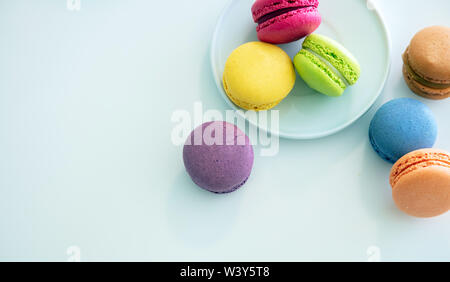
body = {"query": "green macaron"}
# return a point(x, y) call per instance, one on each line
point(326, 66)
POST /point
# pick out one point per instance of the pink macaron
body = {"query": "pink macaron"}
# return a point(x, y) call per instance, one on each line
point(285, 21)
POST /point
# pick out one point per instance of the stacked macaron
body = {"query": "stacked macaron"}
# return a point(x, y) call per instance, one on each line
point(403, 131)
point(258, 75)
point(219, 158)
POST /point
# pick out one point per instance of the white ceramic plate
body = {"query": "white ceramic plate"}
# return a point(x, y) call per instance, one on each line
point(306, 114)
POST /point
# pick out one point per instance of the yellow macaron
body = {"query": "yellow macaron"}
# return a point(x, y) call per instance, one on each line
point(258, 76)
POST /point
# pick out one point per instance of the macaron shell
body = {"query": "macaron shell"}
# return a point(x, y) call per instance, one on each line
point(429, 54)
point(289, 27)
point(418, 159)
point(424, 91)
point(402, 126)
point(264, 7)
point(336, 54)
point(258, 76)
point(248, 106)
point(318, 75)
point(388, 158)
point(424, 193)
point(219, 168)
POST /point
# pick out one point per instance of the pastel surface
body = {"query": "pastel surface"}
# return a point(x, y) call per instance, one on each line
point(258, 76)
point(219, 157)
point(285, 21)
point(421, 183)
point(402, 126)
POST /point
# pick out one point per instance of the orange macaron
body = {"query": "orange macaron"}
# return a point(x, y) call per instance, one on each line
point(421, 183)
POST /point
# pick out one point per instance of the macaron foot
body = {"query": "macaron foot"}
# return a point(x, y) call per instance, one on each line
point(247, 106)
point(231, 190)
point(424, 91)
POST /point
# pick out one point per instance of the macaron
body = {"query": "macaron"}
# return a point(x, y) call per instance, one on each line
point(285, 21)
point(402, 126)
point(421, 183)
point(326, 66)
point(258, 76)
point(426, 66)
point(219, 157)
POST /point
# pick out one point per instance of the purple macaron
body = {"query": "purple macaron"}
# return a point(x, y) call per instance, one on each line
point(219, 157)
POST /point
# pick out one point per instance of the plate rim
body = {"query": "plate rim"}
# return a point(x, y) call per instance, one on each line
point(295, 136)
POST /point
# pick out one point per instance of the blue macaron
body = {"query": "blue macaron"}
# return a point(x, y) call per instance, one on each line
point(402, 126)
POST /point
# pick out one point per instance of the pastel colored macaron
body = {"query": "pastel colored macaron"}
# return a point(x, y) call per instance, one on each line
point(426, 66)
point(400, 127)
point(285, 21)
point(421, 183)
point(219, 157)
point(326, 66)
point(258, 76)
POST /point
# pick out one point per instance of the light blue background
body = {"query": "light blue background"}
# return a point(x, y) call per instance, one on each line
point(86, 158)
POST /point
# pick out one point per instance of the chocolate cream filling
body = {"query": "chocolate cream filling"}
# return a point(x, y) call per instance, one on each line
point(280, 12)
point(423, 81)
